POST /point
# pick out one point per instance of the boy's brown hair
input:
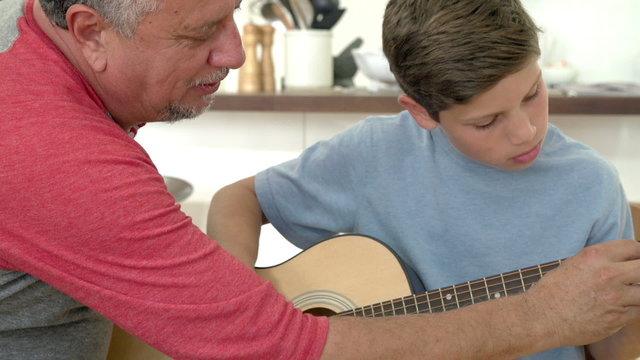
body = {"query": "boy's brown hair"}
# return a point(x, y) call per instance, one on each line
point(444, 52)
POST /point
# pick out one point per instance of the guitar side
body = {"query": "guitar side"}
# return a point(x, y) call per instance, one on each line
point(339, 274)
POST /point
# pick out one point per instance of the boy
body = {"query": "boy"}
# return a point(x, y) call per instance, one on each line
point(469, 182)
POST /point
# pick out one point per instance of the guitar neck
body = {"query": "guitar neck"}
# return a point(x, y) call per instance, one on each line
point(457, 296)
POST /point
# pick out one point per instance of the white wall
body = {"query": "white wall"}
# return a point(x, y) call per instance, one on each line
point(600, 38)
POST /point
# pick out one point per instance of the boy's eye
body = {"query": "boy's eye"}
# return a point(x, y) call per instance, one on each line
point(487, 125)
point(534, 95)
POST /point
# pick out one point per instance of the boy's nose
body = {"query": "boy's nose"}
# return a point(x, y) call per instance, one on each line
point(521, 129)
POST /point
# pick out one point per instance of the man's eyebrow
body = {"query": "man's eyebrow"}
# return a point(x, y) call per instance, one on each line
point(208, 26)
point(204, 28)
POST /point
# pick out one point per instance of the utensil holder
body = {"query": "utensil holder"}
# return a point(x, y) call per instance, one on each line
point(308, 59)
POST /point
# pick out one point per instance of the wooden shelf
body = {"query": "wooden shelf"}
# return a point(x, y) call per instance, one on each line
point(366, 102)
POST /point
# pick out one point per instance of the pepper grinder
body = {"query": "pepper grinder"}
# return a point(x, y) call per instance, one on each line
point(250, 75)
point(268, 77)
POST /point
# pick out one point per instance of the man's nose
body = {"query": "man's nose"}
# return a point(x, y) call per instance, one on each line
point(228, 51)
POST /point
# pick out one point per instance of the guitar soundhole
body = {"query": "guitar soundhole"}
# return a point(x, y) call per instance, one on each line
point(322, 302)
point(320, 312)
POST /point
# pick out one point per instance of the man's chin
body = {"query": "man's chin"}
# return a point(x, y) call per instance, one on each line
point(176, 112)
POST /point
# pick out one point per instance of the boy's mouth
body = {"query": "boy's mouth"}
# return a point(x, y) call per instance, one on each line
point(529, 156)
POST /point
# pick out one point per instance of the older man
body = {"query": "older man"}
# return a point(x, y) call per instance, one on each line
point(89, 231)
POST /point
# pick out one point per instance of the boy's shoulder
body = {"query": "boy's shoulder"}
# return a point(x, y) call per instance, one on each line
point(576, 156)
point(387, 125)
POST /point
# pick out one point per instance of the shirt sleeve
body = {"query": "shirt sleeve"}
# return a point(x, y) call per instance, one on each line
point(615, 221)
point(316, 195)
point(86, 211)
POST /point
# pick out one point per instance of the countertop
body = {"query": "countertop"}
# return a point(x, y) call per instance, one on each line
point(350, 101)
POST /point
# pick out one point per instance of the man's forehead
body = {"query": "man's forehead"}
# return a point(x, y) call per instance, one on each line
point(196, 16)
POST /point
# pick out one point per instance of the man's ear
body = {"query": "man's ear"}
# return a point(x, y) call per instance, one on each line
point(419, 113)
point(88, 29)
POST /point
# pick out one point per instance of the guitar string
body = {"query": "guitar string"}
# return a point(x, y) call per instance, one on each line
point(542, 268)
point(379, 309)
point(505, 285)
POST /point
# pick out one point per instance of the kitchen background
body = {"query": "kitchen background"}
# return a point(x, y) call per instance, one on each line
point(600, 40)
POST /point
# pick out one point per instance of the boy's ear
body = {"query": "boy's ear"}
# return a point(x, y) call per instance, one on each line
point(419, 113)
point(88, 29)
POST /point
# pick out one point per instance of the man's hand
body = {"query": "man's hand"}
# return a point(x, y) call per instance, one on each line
point(590, 296)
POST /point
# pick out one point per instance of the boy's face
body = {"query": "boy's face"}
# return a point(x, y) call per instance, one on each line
point(505, 126)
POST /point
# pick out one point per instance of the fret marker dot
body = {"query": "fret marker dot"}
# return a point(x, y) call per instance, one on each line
point(449, 297)
point(497, 295)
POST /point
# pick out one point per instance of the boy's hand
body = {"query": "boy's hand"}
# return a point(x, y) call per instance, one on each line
point(590, 296)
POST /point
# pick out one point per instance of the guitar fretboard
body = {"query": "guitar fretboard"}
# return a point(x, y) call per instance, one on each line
point(457, 296)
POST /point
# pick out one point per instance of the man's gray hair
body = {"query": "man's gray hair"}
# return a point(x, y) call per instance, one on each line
point(123, 15)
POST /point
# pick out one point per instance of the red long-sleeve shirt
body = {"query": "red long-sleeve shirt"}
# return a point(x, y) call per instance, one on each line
point(84, 209)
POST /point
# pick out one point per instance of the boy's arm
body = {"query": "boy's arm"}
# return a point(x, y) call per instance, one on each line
point(235, 218)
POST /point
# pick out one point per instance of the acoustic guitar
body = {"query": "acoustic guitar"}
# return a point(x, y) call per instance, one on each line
point(355, 275)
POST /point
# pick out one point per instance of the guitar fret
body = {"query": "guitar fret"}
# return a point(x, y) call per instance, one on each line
point(457, 296)
point(496, 287)
point(429, 303)
point(486, 287)
point(385, 308)
point(512, 283)
point(522, 280)
point(479, 291)
point(449, 302)
point(504, 286)
point(463, 295)
point(409, 304)
point(391, 309)
point(444, 307)
point(422, 304)
point(530, 276)
point(394, 311)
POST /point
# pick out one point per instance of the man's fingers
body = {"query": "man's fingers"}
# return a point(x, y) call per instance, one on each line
point(616, 251)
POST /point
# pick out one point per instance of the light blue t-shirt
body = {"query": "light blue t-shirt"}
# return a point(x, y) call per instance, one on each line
point(448, 217)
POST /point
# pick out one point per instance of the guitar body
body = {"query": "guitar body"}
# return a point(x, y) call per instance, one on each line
point(339, 274)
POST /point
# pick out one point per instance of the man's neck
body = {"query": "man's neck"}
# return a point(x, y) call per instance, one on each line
point(64, 40)
point(60, 37)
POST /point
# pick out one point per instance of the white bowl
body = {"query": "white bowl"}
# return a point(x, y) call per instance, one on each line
point(179, 188)
point(553, 75)
point(374, 65)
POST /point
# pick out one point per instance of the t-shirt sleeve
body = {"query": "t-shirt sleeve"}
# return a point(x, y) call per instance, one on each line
point(615, 221)
point(315, 196)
